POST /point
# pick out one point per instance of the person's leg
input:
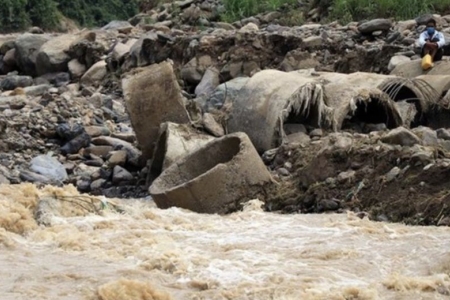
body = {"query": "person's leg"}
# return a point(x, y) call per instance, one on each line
point(438, 55)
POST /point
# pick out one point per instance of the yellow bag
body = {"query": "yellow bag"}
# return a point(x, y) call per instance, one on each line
point(427, 62)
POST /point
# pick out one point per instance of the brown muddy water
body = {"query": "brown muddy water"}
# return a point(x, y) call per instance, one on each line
point(143, 252)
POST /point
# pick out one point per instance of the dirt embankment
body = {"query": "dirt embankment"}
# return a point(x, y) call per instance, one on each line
point(389, 183)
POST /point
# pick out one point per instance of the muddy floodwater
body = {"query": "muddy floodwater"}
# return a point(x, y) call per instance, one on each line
point(142, 252)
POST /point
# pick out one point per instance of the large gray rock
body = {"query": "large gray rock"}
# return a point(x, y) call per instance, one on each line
point(224, 93)
point(49, 167)
point(27, 48)
point(375, 25)
point(52, 56)
point(401, 136)
point(397, 60)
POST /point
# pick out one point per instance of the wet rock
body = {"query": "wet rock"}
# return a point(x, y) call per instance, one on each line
point(121, 175)
point(49, 167)
point(14, 81)
point(30, 176)
point(98, 184)
point(328, 205)
point(375, 25)
point(76, 144)
point(68, 132)
point(83, 186)
point(401, 136)
point(133, 154)
point(117, 158)
point(212, 126)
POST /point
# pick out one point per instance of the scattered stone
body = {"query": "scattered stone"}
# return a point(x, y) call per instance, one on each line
point(443, 133)
point(392, 174)
point(401, 136)
point(121, 175)
point(397, 60)
point(375, 25)
point(117, 158)
point(212, 126)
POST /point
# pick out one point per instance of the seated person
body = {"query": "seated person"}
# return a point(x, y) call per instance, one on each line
point(432, 41)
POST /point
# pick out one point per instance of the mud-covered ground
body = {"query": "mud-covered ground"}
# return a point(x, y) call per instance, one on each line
point(389, 183)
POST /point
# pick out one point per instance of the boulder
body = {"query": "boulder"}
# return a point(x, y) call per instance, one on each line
point(152, 96)
point(401, 136)
point(27, 49)
point(49, 167)
point(375, 25)
point(121, 26)
point(52, 56)
point(95, 74)
point(397, 60)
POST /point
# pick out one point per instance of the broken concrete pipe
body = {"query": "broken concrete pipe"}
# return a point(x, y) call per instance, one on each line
point(415, 97)
point(216, 178)
point(273, 98)
point(357, 101)
point(152, 96)
point(175, 141)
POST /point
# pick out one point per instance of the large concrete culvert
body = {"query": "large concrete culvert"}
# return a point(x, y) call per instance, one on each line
point(216, 178)
point(270, 99)
point(358, 102)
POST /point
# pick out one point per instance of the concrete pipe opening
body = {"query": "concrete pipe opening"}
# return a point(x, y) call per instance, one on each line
point(412, 98)
point(216, 178)
point(368, 115)
point(175, 141)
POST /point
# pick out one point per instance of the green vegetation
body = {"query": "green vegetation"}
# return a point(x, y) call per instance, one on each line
point(238, 9)
point(348, 10)
point(342, 10)
point(19, 14)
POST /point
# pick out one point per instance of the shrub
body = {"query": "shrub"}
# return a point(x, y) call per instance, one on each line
point(355, 10)
point(239, 9)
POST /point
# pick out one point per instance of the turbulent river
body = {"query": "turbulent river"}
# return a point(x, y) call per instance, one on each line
point(142, 252)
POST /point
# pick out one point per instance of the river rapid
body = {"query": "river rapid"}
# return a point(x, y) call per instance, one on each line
point(142, 252)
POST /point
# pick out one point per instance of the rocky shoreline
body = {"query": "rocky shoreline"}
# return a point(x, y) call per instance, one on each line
point(69, 115)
